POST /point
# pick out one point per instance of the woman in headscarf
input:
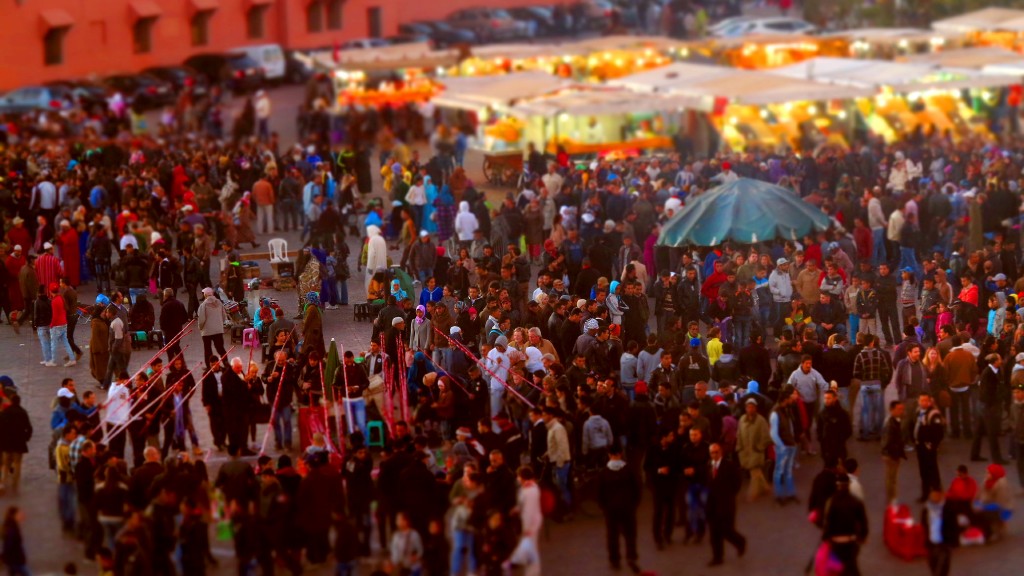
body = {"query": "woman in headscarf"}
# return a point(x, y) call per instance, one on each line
point(397, 291)
point(429, 223)
point(421, 336)
point(420, 368)
point(313, 327)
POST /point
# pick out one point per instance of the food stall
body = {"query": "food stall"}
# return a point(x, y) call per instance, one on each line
point(605, 121)
point(771, 50)
point(910, 94)
point(391, 75)
point(891, 43)
point(756, 106)
point(993, 26)
point(480, 104)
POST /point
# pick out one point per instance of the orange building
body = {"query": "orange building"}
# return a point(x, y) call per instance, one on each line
point(66, 39)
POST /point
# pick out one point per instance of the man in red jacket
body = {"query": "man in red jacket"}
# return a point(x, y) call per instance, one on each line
point(59, 328)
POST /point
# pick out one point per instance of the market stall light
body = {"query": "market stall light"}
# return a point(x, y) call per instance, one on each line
point(937, 41)
point(734, 120)
point(685, 52)
point(812, 110)
point(841, 114)
point(903, 43)
point(764, 113)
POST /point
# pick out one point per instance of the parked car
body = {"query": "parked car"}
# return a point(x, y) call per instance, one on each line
point(363, 43)
point(406, 38)
point(767, 26)
point(726, 23)
point(181, 77)
point(87, 94)
point(141, 90)
point(443, 33)
point(236, 72)
point(36, 98)
point(270, 57)
point(489, 24)
point(539, 19)
point(590, 14)
point(297, 71)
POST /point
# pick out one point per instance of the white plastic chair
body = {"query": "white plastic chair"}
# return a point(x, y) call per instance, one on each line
point(278, 250)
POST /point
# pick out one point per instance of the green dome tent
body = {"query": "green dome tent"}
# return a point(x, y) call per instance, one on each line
point(744, 211)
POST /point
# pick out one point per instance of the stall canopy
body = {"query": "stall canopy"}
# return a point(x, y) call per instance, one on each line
point(671, 77)
point(975, 57)
point(984, 20)
point(889, 36)
point(605, 102)
point(744, 211)
point(480, 92)
point(397, 57)
point(738, 86)
point(898, 76)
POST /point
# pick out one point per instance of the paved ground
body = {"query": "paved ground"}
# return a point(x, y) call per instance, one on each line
point(781, 539)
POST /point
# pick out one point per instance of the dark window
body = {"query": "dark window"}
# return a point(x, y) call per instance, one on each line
point(375, 23)
point(334, 18)
point(254, 21)
point(201, 28)
point(315, 16)
point(53, 44)
point(142, 35)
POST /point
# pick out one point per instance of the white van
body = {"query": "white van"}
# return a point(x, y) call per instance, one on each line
point(270, 57)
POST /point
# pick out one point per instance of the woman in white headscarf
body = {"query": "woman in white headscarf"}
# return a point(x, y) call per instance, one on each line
point(376, 252)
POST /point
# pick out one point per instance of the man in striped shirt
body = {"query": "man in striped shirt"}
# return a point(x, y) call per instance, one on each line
point(49, 268)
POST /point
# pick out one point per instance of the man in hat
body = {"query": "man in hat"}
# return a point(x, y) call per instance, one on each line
point(18, 234)
point(588, 339)
point(211, 317)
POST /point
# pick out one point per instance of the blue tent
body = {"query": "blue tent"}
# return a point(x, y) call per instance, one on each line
point(744, 211)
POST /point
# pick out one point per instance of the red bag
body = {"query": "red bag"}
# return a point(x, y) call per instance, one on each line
point(903, 537)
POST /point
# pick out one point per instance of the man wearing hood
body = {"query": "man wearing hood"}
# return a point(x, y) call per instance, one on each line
point(466, 224)
point(498, 367)
point(211, 318)
point(376, 252)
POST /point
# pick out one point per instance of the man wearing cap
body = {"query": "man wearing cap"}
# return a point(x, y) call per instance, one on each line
point(781, 287)
point(49, 268)
point(588, 339)
point(423, 257)
point(211, 318)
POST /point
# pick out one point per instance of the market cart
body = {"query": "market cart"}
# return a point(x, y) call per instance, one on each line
point(503, 168)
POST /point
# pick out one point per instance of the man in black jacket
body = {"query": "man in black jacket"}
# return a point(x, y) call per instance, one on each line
point(213, 400)
point(928, 431)
point(834, 428)
point(991, 411)
point(893, 450)
point(846, 524)
point(619, 495)
point(538, 437)
point(723, 481)
point(236, 401)
point(755, 361)
point(173, 318)
point(662, 467)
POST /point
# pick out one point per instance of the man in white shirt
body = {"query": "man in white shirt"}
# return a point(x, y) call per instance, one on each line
point(263, 110)
point(498, 364)
point(852, 467)
point(552, 180)
point(878, 224)
point(119, 409)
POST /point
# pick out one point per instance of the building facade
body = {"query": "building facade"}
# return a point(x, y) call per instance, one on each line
point(67, 39)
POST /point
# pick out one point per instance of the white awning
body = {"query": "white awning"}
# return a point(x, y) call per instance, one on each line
point(607, 102)
point(986, 19)
point(479, 92)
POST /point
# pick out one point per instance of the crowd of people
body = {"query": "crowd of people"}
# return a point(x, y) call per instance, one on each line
point(526, 355)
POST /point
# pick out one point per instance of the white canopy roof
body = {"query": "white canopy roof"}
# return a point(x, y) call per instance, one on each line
point(974, 57)
point(606, 102)
point(986, 19)
point(671, 77)
point(739, 86)
point(898, 76)
point(416, 55)
point(479, 92)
